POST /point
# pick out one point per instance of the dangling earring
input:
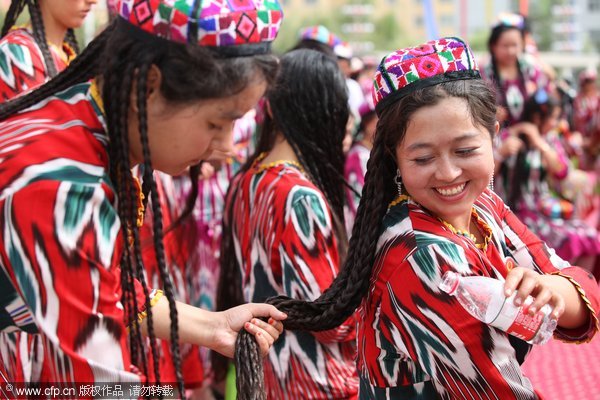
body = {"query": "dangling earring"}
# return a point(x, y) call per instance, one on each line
point(398, 180)
point(491, 184)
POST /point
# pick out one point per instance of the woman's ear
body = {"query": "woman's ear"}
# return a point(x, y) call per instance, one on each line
point(496, 128)
point(153, 81)
point(268, 107)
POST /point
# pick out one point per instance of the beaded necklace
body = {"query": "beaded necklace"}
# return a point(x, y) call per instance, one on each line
point(260, 168)
point(481, 224)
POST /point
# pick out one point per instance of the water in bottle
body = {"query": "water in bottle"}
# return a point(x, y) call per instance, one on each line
point(484, 298)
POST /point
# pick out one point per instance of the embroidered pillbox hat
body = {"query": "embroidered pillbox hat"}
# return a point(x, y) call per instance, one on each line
point(318, 33)
point(212, 23)
point(509, 20)
point(412, 68)
point(342, 49)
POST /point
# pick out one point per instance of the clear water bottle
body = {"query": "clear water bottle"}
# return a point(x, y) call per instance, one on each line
point(484, 299)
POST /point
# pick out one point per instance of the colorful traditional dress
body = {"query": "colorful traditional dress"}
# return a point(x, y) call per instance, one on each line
point(61, 317)
point(569, 236)
point(354, 173)
point(22, 65)
point(416, 342)
point(515, 92)
point(586, 110)
point(285, 244)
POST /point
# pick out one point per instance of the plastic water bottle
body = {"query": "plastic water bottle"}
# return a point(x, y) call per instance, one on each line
point(484, 299)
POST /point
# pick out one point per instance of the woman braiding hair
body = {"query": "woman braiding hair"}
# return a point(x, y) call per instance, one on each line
point(159, 88)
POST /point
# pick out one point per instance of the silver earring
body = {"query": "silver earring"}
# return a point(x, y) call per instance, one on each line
point(398, 180)
point(491, 184)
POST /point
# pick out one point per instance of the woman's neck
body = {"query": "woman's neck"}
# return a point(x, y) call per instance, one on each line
point(55, 32)
point(508, 71)
point(281, 151)
point(368, 144)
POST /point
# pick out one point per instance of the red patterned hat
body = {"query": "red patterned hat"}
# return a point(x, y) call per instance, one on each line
point(412, 68)
point(214, 23)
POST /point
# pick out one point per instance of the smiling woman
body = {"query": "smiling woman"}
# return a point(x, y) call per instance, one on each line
point(425, 210)
point(159, 88)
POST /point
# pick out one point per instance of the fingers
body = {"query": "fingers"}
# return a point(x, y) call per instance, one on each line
point(526, 288)
point(513, 279)
point(266, 310)
point(543, 297)
point(265, 334)
point(529, 283)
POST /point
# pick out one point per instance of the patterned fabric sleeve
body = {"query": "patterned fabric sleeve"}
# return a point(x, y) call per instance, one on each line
point(529, 251)
point(308, 251)
point(463, 357)
point(59, 239)
point(21, 65)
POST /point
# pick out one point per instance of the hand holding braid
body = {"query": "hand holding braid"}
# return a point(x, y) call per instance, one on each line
point(342, 298)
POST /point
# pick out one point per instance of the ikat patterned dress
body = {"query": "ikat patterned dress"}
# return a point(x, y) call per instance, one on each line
point(416, 342)
point(61, 318)
point(285, 244)
point(22, 66)
point(515, 92)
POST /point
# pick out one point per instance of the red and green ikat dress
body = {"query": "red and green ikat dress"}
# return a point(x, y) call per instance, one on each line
point(61, 318)
point(285, 244)
point(22, 66)
point(416, 342)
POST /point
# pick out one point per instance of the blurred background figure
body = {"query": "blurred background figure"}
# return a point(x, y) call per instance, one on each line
point(31, 54)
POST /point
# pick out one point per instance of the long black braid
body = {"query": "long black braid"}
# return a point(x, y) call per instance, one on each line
point(348, 289)
point(157, 219)
point(117, 57)
point(308, 105)
point(71, 40)
point(39, 33)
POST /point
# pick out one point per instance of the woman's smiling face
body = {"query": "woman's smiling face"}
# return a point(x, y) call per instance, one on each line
point(445, 160)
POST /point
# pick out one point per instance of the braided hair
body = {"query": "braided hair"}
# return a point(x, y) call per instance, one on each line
point(308, 104)
point(120, 58)
point(39, 33)
point(346, 292)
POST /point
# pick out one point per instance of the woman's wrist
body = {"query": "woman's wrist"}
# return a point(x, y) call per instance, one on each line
point(543, 147)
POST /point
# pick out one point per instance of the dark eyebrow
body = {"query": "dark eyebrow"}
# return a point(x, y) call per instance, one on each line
point(231, 115)
point(423, 145)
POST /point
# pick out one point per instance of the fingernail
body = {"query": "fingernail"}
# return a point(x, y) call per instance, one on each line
point(247, 325)
point(532, 310)
point(254, 321)
point(283, 315)
point(258, 334)
point(518, 301)
point(508, 292)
